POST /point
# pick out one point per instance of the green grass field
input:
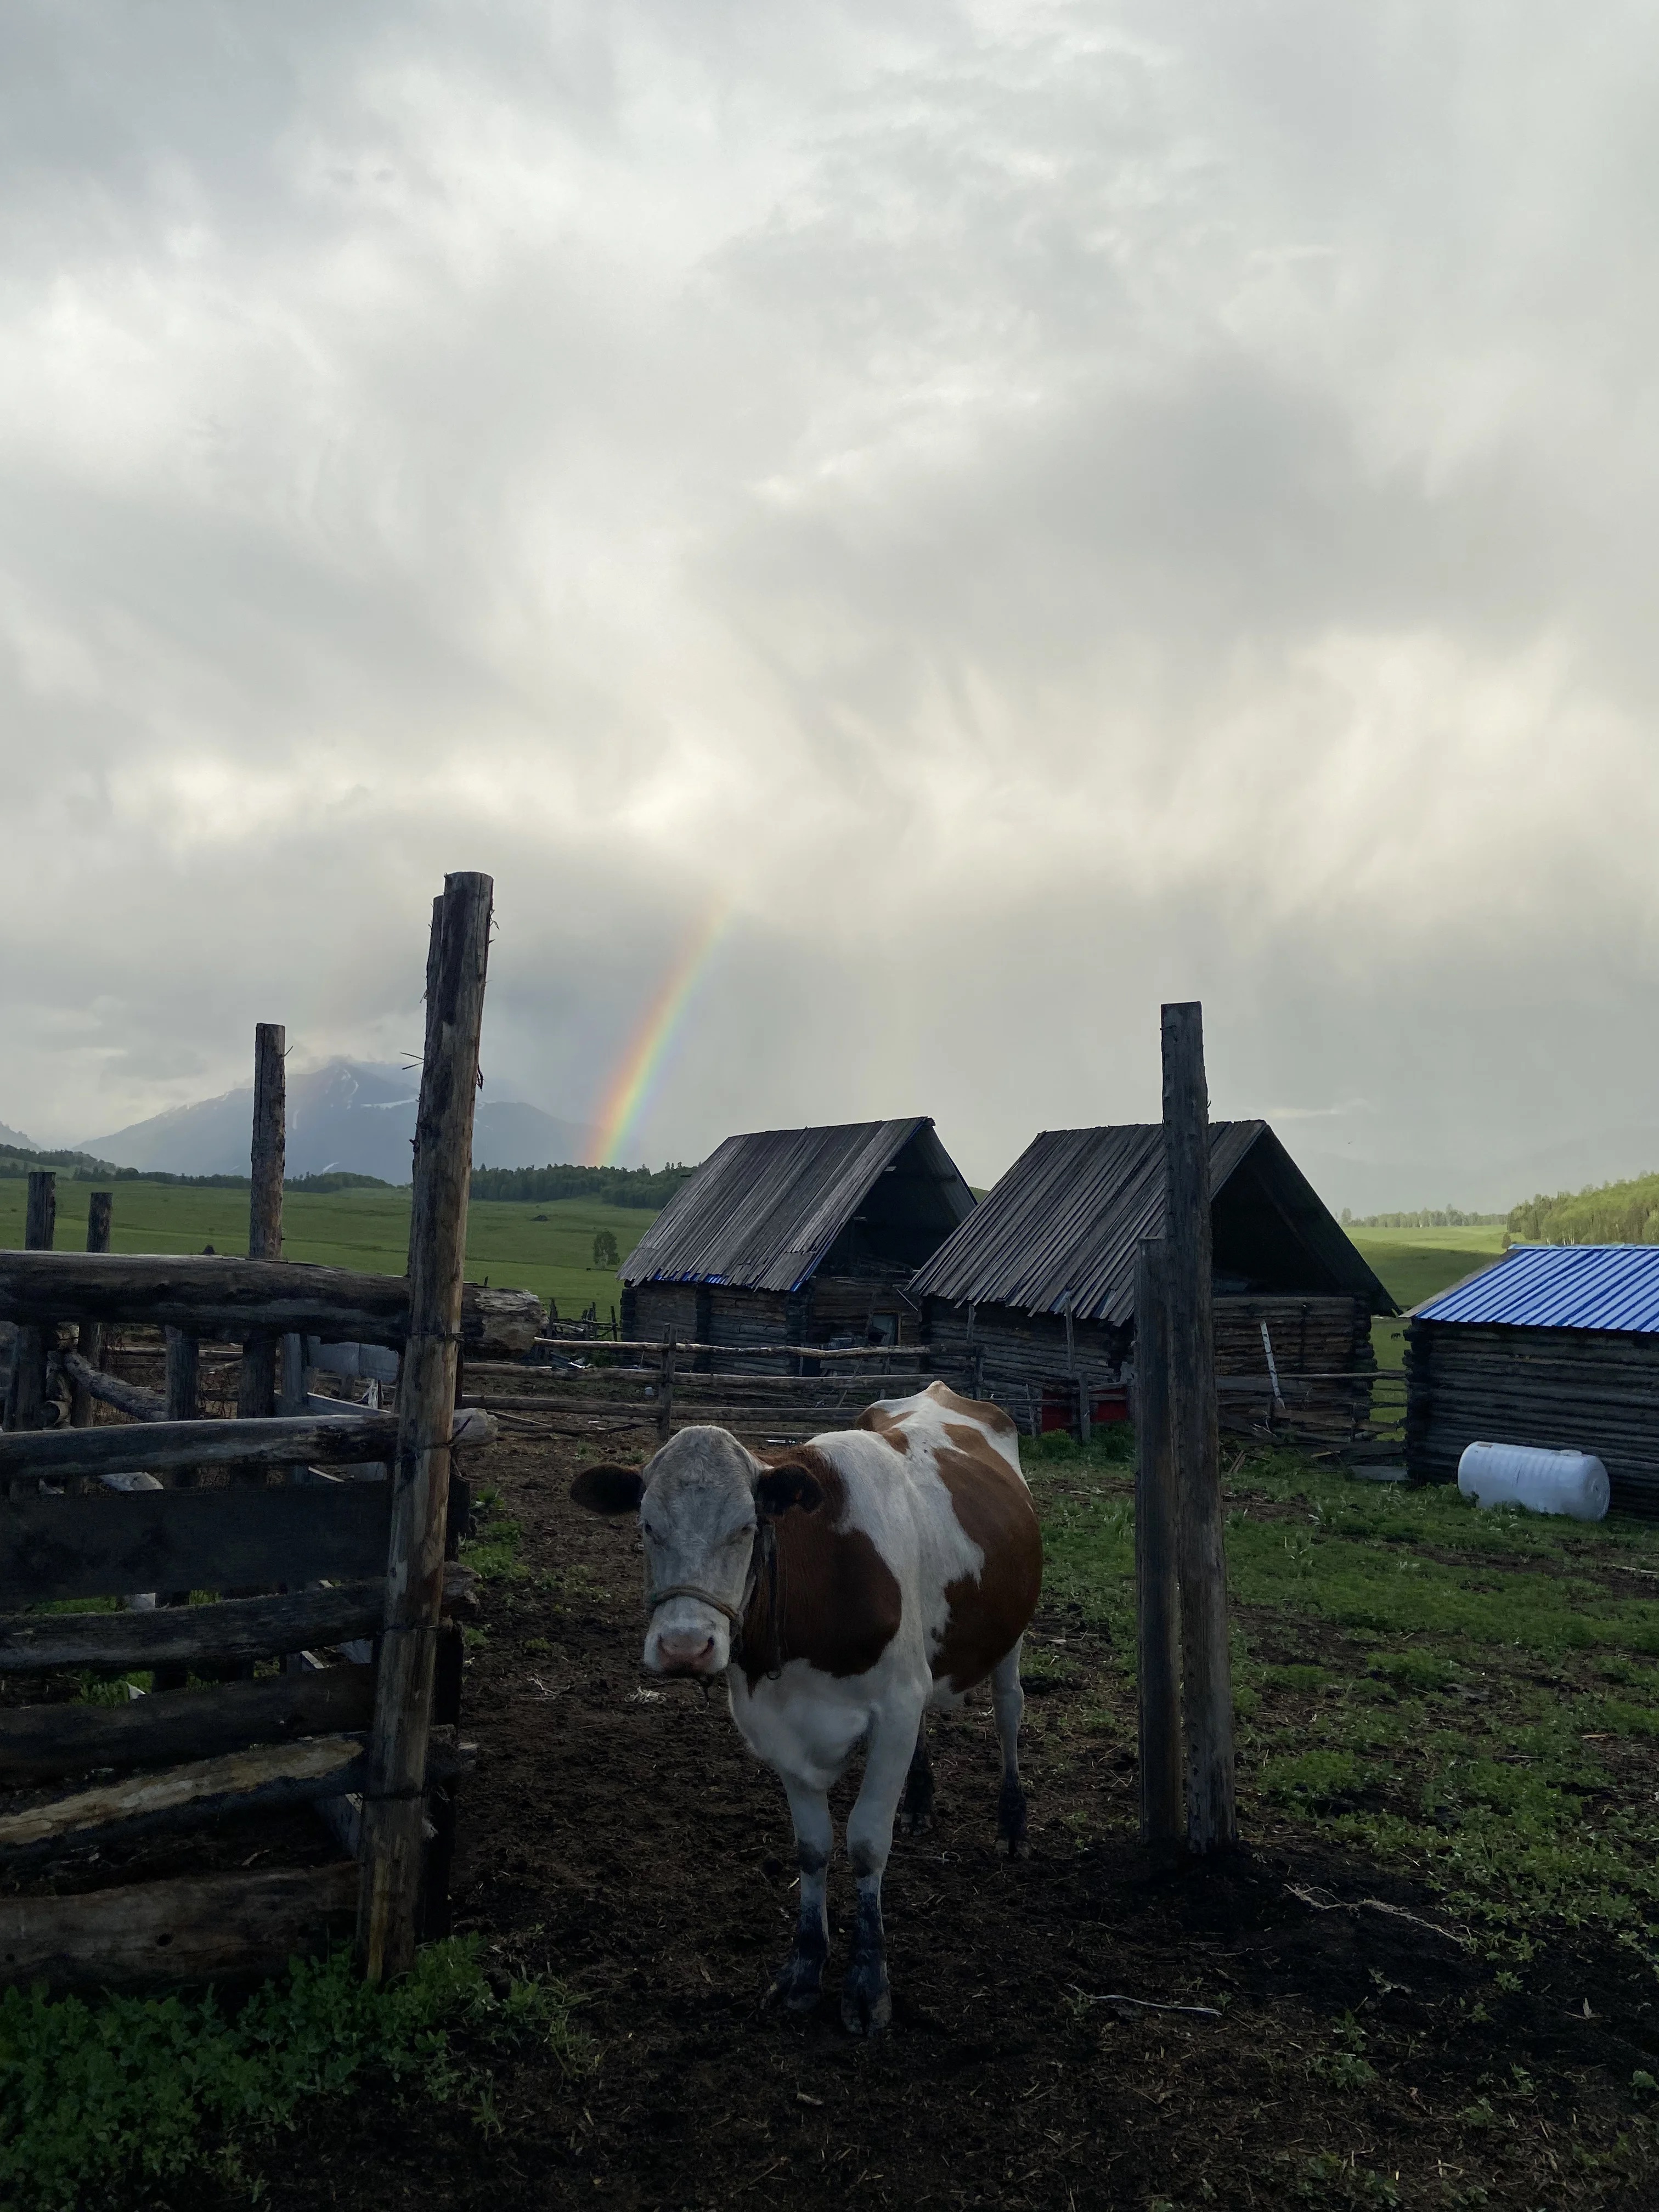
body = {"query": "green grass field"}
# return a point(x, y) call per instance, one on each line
point(547, 1248)
point(1414, 1264)
point(1467, 1696)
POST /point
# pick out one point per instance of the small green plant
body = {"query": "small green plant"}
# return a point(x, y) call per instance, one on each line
point(604, 1248)
point(492, 1552)
point(93, 2095)
point(1346, 2066)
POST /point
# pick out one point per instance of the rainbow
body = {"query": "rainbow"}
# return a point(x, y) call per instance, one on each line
point(633, 1086)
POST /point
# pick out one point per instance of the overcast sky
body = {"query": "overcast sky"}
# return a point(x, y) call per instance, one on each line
point(1040, 509)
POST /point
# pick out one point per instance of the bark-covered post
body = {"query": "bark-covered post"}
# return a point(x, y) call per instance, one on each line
point(256, 1396)
point(91, 1341)
point(1206, 1672)
point(27, 1395)
point(1157, 1597)
point(394, 1790)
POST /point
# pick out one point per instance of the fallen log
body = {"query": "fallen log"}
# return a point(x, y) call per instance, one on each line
point(195, 1929)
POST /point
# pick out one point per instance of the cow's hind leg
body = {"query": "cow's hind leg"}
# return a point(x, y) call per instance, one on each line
point(799, 1980)
point(866, 2003)
point(918, 1785)
point(1008, 1701)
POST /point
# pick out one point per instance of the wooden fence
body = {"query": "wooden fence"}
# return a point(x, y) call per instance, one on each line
point(648, 1381)
point(160, 1506)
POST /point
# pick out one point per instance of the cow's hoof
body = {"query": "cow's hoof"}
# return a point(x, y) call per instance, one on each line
point(866, 2001)
point(799, 1984)
point(1011, 1821)
point(917, 1824)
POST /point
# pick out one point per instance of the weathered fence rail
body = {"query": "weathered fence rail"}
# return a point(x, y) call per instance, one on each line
point(347, 1587)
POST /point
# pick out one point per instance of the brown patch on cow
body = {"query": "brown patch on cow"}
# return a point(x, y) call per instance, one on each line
point(839, 1603)
point(976, 1409)
point(989, 1612)
point(890, 1427)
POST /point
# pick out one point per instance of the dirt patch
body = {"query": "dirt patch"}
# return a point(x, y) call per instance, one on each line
point(617, 1833)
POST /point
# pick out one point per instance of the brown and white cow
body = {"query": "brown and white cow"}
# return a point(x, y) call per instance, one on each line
point(844, 1587)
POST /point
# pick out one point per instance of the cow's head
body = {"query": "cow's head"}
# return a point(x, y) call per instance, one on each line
point(701, 1503)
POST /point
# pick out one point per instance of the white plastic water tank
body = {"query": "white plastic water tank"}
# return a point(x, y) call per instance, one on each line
point(1570, 1482)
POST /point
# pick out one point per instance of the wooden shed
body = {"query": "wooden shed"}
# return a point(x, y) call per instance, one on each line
point(1557, 1346)
point(1039, 1279)
point(798, 1236)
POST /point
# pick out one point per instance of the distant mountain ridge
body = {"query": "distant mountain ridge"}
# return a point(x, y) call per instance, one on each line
point(358, 1115)
point(10, 1136)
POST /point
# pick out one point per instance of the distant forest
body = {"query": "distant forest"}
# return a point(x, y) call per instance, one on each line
point(1616, 1213)
point(644, 1187)
point(650, 1188)
point(1444, 1217)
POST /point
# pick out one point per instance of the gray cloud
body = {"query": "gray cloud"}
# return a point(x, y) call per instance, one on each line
point(1041, 507)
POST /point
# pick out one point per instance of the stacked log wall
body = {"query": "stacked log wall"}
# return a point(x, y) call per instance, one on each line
point(1563, 1389)
point(1327, 1339)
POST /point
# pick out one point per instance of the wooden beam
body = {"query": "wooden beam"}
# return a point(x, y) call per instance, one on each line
point(207, 1293)
point(54, 1549)
point(90, 1346)
point(1207, 1673)
point(26, 1407)
point(262, 1779)
point(393, 1814)
point(38, 1743)
point(95, 1386)
point(256, 1396)
point(196, 1929)
point(265, 1778)
point(1158, 1597)
point(235, 1628)
point(333, 1439)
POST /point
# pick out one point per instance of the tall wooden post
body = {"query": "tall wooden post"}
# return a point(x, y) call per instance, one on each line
point(93, 1336)
point(256, 1394)
point(28, 1409)
point(1207, 1673)
point(1157, 1598)
point(395, 1786)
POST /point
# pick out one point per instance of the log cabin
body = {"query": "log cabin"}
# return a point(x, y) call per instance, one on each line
point(1039, 1282)
point(1555, 1345)
point(797, 1236)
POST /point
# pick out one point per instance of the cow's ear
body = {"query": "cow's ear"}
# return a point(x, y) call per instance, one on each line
point(608, 1488)
point(780, 1487)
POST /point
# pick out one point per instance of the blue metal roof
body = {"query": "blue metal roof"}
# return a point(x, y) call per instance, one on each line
point(1612, 1287)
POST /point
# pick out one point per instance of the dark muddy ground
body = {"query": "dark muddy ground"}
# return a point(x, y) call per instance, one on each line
point(618, 1835)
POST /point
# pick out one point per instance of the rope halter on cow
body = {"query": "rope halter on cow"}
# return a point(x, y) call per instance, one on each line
point(765, 1550)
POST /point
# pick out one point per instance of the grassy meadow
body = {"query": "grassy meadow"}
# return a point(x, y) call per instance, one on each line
point(547, 1248)
point(1413, 1264)
point(1471, 1697)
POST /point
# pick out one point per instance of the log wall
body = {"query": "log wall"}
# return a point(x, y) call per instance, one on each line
point(1565, 1389)
point(1327, 1340)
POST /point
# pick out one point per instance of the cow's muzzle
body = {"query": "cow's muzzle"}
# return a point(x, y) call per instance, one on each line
point(690, 1644)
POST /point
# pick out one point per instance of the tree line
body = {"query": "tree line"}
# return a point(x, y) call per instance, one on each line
point(1609, 1213)
point(650, 1188)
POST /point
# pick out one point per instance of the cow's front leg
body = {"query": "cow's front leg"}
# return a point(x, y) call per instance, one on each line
point(799, 1980)
point(866, 2001)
